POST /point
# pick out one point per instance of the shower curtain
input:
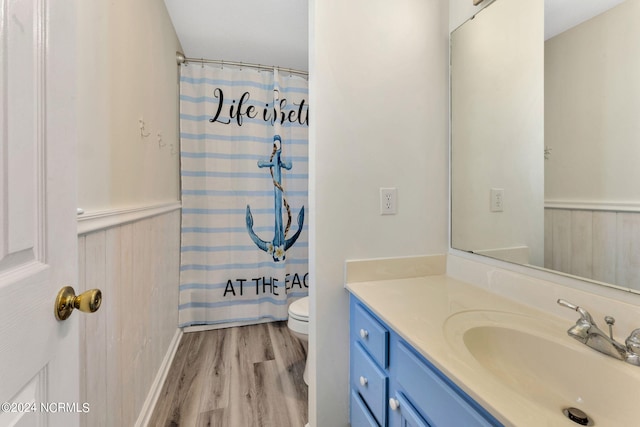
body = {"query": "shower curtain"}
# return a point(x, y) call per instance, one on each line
point(244, 171)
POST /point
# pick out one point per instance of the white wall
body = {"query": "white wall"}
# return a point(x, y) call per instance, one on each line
point(592, 106)
point(126, 70)
point(497, 128)
point(379, 118)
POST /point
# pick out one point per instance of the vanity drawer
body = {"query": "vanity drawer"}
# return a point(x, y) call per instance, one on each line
point(426, 388)
point(371, 334)
point(370, 382)
point(360, 415)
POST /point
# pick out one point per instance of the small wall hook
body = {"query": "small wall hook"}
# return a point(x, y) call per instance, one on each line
point(143, 132)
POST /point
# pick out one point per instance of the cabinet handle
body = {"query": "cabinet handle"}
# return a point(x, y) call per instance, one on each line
point(364, 333)
point(363, 381)
point(394, 404)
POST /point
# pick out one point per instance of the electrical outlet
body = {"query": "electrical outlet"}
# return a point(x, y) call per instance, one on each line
point(497, 199)
point(388, 201)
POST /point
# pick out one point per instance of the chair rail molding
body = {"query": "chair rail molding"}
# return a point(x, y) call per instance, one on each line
point(100, 220)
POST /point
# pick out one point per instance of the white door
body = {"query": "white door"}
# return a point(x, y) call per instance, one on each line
point(39, 383)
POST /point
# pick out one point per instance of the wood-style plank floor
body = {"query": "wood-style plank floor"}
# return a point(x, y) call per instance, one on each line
point(248, 376)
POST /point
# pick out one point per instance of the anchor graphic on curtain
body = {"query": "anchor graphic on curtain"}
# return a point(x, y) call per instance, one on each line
point(279, 245)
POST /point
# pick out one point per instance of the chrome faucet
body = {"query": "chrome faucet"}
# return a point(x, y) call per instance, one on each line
point(587, 332)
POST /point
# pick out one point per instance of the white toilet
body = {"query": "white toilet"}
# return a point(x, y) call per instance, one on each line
point(299, 324)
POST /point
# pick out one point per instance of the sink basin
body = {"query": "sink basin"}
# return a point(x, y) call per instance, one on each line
point(541, 364)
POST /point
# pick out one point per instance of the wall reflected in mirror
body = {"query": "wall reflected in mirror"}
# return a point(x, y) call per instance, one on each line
point(546, 137)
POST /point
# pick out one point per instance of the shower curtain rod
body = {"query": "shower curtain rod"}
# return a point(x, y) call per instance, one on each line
point(183, 60)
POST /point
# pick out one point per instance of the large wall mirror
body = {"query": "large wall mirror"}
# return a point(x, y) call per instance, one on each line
point(545, 131)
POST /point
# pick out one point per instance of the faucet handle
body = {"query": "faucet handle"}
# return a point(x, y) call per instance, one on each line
point(610, 321)
point(567, 304)
point(633, 342)
point(583, 313)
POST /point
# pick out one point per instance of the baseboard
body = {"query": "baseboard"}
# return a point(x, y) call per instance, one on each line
point(152, 397)
point(224, 325)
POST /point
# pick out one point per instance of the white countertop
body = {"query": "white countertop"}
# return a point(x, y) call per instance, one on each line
point(418, 308)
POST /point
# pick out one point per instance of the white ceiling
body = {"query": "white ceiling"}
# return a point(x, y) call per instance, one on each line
point(275, 32)
point(268, 32)
point(560, 15)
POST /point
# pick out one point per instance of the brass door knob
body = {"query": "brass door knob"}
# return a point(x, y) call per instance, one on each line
point(66, 301)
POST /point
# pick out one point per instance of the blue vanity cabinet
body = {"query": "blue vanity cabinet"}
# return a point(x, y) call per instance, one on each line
point(392, 385)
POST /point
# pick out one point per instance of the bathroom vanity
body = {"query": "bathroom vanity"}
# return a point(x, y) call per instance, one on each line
point(393, 384)
point(436, 351)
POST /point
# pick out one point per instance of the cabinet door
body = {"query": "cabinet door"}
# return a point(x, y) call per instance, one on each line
point(434, 394)
point(360, 415)
point(405, 413)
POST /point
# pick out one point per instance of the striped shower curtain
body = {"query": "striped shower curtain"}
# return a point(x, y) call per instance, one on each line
point(244, 167)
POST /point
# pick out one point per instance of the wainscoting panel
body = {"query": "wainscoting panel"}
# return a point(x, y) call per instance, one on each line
point(605, 238)
point(602, 245)
point(123, 345)
point(628, 270)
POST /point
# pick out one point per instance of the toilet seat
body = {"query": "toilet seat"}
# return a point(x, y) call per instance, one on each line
point(299, 309)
